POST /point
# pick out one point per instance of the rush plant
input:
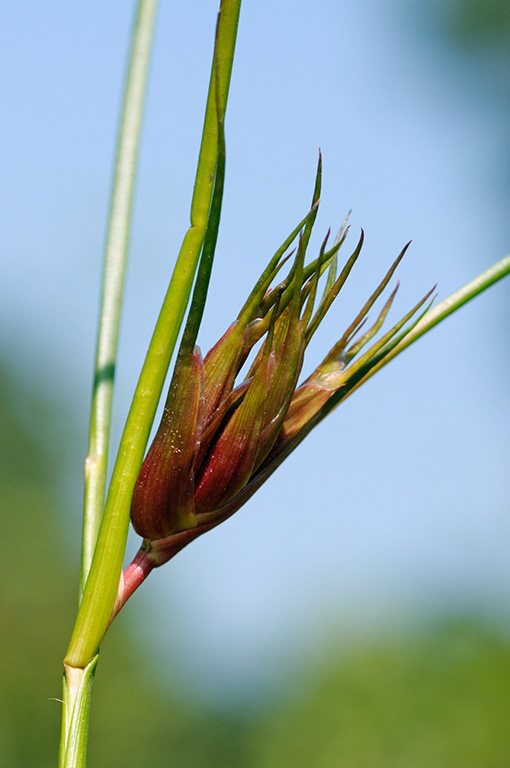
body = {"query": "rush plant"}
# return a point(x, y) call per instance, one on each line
point(231, 418)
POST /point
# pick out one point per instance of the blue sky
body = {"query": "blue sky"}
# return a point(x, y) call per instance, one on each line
point(398, 504)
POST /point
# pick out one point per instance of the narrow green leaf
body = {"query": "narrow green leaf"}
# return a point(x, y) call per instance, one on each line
point(315, 203)
point(267, 276)
point(330, 296)
point(368, 335)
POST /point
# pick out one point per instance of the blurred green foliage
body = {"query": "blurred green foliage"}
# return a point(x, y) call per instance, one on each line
point(477, 23)
point(439, 698)
point(478, 30)
point(434, 698)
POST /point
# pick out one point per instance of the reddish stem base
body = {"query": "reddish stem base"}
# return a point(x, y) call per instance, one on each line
point(131, 579)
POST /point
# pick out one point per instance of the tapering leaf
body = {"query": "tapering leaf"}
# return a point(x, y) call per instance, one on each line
point(368, 305)
point(310, 289)
point(263, 283)
point(315, 203)
point(368, 335)
point(333, 292)
point(375, 348)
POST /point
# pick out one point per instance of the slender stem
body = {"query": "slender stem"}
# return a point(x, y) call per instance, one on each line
point(134, 575)
point(199, 297)
point(75, 716)
point(101, 588)
point(115, 258)
point(77, 683)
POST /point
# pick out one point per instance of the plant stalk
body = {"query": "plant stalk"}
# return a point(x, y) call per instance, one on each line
point(75, 716)
point(114, 270)
point(77, 683)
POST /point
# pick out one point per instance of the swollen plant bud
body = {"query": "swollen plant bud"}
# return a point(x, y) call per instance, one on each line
point(221, 438)
point(166, 472)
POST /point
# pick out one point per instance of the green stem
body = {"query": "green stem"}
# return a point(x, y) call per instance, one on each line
point(75, 716)
point(77, 683)
point(201, 287)
point(115, 258)
point(101, 588)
